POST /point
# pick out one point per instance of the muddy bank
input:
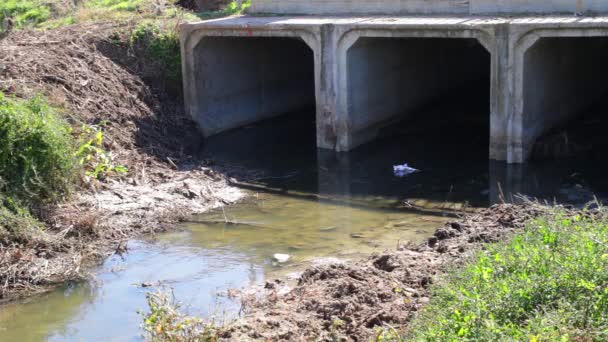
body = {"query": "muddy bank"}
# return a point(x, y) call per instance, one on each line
point(350, 301)
point(97, 77)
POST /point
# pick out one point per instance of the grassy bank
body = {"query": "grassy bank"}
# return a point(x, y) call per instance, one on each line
point(548, 283)
point(41, 14)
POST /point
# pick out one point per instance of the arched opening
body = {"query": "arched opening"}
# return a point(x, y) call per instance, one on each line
point(564, 93)
point(435, 91)
point(242, 80)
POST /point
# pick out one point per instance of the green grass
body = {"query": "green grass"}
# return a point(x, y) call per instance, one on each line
point(37, 161)
point(232, 9)
point(25, 12)
point(549, 283)
point(162, 45)
point(117, 5)
point(44, 15)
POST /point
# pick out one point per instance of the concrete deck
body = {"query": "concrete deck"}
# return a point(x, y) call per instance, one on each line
point(542, 71)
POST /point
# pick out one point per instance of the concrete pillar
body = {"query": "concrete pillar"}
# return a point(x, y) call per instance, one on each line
point(503, 144)
point(327, 97)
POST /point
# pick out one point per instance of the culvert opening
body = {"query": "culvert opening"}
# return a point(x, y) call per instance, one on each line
point(436, 91)
point(243, 80)
point(564, 97)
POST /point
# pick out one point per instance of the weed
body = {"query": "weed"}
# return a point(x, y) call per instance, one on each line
point(96, 161)
point(549, 283)
point(164, 322)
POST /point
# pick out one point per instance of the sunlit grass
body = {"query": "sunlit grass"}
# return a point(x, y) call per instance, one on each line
point(549, 283)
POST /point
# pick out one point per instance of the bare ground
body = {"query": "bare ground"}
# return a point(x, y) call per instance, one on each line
point(97, 80)
point(349, 301)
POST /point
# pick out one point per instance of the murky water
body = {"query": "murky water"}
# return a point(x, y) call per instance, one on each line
point(304, 203)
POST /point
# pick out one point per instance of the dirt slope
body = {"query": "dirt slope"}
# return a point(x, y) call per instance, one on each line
point(98, 78)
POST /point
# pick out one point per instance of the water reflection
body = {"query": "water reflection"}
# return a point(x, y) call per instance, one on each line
point(108, 311)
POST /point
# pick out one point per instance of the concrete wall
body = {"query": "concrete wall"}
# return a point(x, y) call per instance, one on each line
point(428, 6)
point(562, 78)
point(243, 80)
point(392, 78)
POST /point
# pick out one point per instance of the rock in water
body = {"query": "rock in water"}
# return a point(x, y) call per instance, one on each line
point(281, 258)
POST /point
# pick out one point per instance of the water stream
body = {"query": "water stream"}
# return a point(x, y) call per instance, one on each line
point(302, 202)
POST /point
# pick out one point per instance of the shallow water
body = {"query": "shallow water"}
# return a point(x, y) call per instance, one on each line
point(303, 202)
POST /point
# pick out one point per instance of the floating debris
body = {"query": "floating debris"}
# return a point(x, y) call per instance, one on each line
point(281, 258)
point(403, 170)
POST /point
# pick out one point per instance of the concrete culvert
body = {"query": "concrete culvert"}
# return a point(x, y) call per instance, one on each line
point(418, 81)
point(241, 80)
point(564, 91)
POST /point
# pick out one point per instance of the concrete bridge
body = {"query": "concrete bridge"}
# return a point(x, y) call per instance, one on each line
point(364, 72)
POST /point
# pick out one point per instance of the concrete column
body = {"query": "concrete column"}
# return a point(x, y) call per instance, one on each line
point(327, 97)
point(505, 143)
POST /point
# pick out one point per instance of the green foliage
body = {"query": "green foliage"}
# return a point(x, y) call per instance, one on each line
point(37, 161)
point(232, 9)
point(25, 12)
point(95, 160)
point(549, 283)
point(162, 45)
point(164, 322)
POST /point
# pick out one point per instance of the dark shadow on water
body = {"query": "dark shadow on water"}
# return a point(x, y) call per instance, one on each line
point(450, 150)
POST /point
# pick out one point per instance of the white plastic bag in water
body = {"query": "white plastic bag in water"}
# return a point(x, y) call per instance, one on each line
point(403, 170)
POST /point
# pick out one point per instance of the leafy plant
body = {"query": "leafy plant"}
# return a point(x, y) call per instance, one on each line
point(95, 160)
point(164, 322)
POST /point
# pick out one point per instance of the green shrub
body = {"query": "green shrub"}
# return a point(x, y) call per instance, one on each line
point(550, 283)
point(37, 162)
